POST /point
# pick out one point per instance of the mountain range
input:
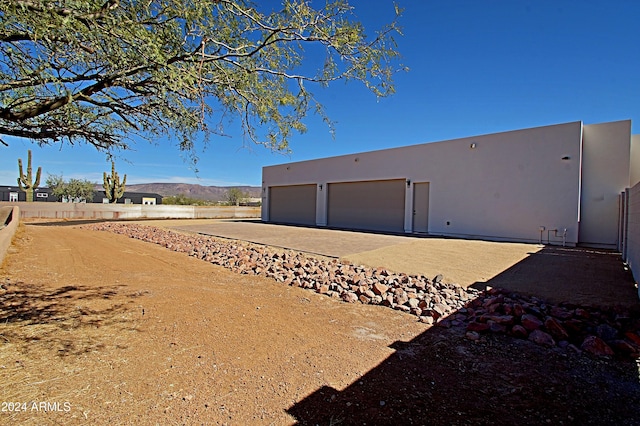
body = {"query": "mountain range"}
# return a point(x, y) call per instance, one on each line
point(209, 193)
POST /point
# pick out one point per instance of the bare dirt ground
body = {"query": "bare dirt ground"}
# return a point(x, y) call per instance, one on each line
point(97, 328)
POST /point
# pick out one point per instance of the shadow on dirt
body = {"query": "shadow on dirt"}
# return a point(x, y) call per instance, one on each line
point(72, 319)
point(594, 277)
point(442, 377)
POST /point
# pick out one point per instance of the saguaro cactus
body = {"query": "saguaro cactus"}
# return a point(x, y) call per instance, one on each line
point(112, 186)
point(25, 182)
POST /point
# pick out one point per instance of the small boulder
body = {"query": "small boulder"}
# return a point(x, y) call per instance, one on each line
point(596, 346)
point(349, 297)
point(555, 329)
point(530, 322)
point(541, 338)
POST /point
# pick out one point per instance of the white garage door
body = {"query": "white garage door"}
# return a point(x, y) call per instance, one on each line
point(374, 205)
point(293, 204)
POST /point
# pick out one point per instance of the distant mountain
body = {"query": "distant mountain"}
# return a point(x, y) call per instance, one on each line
point(210, 193)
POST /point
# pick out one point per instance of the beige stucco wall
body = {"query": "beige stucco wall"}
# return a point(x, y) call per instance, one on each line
point(631, 253)
point(506, 187)
point(605, 175)
point(634, 171)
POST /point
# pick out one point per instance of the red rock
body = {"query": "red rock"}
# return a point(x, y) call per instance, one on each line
point(349, 297)
point(499, 319)
point(541, 338)
point(401, 298)
point(625, 348)
point(574, 326)
point(477, 326)
point(596, 346)
point(472, 335)
point(488, 302)
point(494, 327)
point(560, 313)
point(323, 289)
point(427, 319)
point(493, 307)
point(518, 310)
point(530, 322)
point(519, 331)
point(364, 299)
point(382, 271)
point(380, 289)
point(507, 308)
point(441, 309)
point(633, 337)
point(581, 313)
point(555, 329)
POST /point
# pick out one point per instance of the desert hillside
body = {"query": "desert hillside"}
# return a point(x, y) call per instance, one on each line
point(211, 193)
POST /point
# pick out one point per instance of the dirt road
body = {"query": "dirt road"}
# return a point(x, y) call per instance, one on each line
point(109, 330)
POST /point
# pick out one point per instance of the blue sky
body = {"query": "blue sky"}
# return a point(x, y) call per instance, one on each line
point(476, 67)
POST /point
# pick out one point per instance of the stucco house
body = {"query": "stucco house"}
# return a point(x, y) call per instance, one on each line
point(552, 184)
point(15, 194)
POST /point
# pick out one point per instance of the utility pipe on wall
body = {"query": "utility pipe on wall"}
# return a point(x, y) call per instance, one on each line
point(555, 235)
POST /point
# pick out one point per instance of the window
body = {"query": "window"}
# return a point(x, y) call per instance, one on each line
point(42, 195)
point(13, 197)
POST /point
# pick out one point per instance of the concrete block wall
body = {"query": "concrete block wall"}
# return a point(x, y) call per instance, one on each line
point(130, 211)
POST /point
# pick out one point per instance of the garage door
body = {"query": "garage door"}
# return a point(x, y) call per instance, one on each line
point(375, 205)
point(293, 204)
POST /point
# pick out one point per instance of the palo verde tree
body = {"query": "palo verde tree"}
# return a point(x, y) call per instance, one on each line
point(71, 191)
point(25, 181)
point(106, 72)
point(234, 196)
point(113, 189)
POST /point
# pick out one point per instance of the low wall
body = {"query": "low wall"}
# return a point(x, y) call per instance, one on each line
point(8, 230)
point(632, 231)
point(130, 211)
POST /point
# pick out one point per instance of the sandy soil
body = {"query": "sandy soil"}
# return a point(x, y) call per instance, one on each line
point(97, 328)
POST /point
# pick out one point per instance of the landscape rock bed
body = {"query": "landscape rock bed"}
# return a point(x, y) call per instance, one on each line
point(600, 331)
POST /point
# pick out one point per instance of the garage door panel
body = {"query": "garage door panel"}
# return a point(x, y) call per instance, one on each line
point(375, 205)
point(294, 204)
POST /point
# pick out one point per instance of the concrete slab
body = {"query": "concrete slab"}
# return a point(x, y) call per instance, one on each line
point(555, 273)
point(325, 242)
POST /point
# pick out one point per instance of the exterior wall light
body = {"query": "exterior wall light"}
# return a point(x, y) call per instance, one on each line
point(357, 159)
point(566, 157)
point(472, 146)
point(320, 186)
point(408, 183)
